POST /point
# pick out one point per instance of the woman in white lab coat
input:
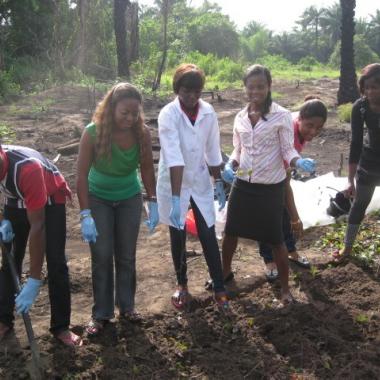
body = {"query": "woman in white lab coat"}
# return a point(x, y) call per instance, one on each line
point(189, 138)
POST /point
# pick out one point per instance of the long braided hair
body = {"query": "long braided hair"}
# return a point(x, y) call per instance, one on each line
point(104, 118)
point(260, 70)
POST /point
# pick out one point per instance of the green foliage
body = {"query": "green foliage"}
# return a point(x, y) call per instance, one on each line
point(255, 46)
point(362, 319)
point(364, 55)
point(307, 63)
point(366, 248)
point(344, 112)
point(213, 33)
point(8, 88)
point(7, 134)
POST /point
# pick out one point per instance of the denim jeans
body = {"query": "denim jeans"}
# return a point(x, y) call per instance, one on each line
point(58, 274)
point(210, 248)
point(118, 224)
point(290, 242)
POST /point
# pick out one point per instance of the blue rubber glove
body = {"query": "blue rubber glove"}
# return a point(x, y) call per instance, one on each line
point(220, 194)
point(89, 232)
point(175, 212)
point(306, 164)
point(228, 173)
point(153, 217)
point(28, 294)
point(6, 231)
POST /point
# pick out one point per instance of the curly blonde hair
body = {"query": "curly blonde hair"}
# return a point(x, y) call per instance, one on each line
point(104, 118)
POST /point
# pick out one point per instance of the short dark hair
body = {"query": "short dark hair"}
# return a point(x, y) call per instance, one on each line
point(190, 76)
point(370, 71)
point(260, 70)
point(313, 107)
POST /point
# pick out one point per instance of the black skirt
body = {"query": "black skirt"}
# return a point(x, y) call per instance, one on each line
point(255, 211)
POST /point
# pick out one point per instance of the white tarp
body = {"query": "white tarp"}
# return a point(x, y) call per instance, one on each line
point(312, 199)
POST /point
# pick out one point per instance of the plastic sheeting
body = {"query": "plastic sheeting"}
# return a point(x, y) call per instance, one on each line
point(312, 199)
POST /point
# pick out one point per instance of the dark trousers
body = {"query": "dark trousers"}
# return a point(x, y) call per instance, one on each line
point(290, 242)
point(210, 248)
point(364, 194)
point(58, 274)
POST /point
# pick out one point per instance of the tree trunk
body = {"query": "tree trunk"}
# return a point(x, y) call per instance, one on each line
point(120, 7)
point(133, 31)
point(82, 46)
point(165, 14)
point(348, 91)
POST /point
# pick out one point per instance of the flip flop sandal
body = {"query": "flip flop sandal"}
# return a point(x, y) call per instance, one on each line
point(131, 316)
point(289, 300)
point(271, 274)
point(68, 338)
point(222, 302)
point(94, 327)
point(301, 261)
point(209, 285)
point(339, 258)
point(180, 299)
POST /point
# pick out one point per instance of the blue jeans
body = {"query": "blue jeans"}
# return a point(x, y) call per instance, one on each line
point(210, 248)
point(58, 273)
point(118, 224)
point(290, 242)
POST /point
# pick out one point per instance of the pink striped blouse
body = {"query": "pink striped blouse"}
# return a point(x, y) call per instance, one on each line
point(261, 150)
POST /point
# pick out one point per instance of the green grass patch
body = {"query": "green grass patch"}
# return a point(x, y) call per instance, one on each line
point(7, 134)
point(344, 112)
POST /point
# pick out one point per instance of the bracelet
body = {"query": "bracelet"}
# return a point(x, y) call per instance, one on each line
point(85, 214)
point(296, 222)
point(153, 198)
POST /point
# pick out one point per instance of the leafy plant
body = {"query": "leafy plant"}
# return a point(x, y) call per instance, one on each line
point(344, 112)
point(366, 248)
point(7, 134)
point(314, 271)
point(362, 319)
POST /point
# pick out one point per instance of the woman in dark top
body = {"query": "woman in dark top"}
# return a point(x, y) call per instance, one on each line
point(364, 159)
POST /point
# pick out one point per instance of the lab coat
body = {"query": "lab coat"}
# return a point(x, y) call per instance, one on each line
point(193, 147)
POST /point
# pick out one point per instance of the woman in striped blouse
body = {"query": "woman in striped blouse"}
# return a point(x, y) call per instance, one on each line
point(263, 139)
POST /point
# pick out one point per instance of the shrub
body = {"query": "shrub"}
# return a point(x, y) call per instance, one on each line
point(344, 112)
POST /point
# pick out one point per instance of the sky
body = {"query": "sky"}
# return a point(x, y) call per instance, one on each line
point(277, 15)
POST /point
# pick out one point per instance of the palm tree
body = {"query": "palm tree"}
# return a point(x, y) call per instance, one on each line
point(348, 90)
point(310, 19)
point(120, 7)
point(330, 23)
point(374, 32)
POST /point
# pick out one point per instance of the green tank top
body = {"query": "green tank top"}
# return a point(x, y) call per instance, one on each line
point(114, 179)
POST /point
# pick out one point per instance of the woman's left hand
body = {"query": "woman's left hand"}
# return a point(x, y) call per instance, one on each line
point(153, 217)
point(220, 194)
point(297, 228)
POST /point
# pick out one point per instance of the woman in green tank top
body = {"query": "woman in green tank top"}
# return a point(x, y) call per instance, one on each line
point(112, 148)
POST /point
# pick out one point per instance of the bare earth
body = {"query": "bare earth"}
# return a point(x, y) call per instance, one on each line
point(320, 337)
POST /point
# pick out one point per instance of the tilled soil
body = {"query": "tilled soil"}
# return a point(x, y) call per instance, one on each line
point(332, 332)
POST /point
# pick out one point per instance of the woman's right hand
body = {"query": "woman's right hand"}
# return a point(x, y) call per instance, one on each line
point(89, 232)
point(228, 174)
point(350, 190)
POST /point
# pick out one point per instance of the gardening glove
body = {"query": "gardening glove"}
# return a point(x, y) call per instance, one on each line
point(175, 213)
point(89, 232)
point(228, 173)
point(153, 217)
point(220, 194)
point(6, 231)
point(27, 295)
point(306, 164)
